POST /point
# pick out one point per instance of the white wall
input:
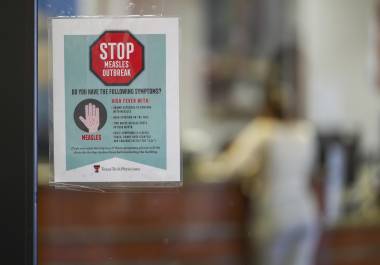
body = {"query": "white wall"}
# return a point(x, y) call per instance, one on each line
point(192, 57)
point(336, 44)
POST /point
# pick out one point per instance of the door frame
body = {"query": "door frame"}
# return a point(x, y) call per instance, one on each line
point(19, 123)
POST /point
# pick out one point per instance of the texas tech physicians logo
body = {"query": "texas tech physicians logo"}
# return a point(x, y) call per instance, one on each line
point(96, 167)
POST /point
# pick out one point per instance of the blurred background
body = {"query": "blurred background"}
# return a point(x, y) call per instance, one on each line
point(318, 60)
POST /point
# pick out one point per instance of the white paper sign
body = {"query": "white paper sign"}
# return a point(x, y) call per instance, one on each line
point(115, 100)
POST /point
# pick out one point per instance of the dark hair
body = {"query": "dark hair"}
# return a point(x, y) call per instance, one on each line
point(273, 102)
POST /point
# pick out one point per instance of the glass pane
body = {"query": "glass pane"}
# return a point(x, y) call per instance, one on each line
point(279, 136)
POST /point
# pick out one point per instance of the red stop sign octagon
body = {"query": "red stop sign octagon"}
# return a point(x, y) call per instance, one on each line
point(117, 58)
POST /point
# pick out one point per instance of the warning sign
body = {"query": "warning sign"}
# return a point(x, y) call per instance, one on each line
point(117, 57)
point(115, 106)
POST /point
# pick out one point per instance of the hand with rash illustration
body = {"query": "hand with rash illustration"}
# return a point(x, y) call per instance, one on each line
point(91, 120)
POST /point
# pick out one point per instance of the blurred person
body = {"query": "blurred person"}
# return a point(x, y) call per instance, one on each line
point(273, 157)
